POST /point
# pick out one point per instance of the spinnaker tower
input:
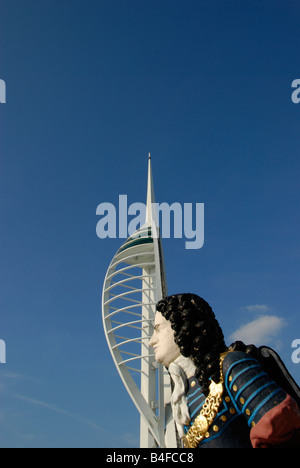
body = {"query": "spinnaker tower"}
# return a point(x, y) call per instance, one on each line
point(135, 281)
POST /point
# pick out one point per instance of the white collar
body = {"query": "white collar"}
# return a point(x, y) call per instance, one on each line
point(186, 365)
point(180, 371)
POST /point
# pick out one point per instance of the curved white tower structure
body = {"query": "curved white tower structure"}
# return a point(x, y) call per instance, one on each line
point(134, 282)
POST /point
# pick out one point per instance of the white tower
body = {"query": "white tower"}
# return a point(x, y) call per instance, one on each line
point(134, 282)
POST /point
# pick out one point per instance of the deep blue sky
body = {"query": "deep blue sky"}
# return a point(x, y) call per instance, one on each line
point(92, 87)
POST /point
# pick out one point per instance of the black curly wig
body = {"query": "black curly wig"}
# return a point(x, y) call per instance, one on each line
point(197, 333)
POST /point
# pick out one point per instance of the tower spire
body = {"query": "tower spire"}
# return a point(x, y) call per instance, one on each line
point(150, 213)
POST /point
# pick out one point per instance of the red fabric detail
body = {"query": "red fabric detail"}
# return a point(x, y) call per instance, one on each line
point(278, 427)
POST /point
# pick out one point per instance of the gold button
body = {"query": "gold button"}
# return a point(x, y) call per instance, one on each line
point(224, 418)
point(232, 410)
point(193, 383)
point(242, 400)
point(248, 412)
point(234, 388)
point(253, 424)
point(206, 435)
point(215, 428)
point(230, 378)
point(227, 398)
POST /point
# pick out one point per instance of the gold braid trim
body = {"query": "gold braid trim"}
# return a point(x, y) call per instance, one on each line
point(208, 412)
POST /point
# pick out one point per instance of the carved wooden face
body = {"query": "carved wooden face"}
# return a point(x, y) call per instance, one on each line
point(162, 341)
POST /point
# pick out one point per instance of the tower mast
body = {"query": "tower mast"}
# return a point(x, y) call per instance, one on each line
point(154, 288)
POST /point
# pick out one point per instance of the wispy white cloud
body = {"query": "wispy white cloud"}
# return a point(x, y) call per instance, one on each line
point(10, 379)
point(130, 439)
point(261, 308)
point(262, 330)
point(54, 408)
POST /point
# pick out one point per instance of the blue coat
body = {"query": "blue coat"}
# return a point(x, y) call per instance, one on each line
point(249, 394)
